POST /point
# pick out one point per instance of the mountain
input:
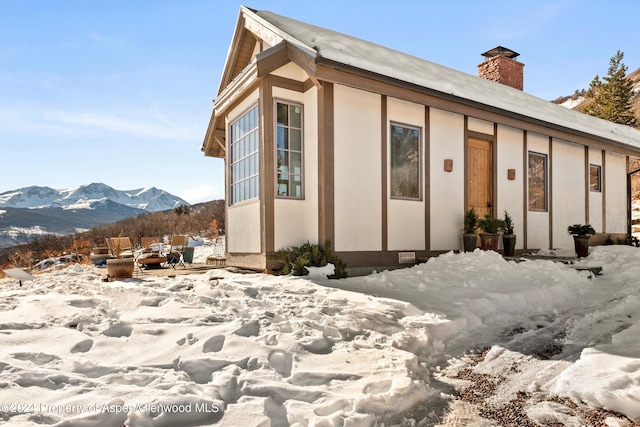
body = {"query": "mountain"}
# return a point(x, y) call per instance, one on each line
point(86, 196)
point(31, 211)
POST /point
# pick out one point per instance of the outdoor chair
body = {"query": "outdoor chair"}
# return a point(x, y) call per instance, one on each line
point(176, 250)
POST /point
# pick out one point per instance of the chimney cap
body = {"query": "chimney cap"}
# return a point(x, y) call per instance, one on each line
point(500, 51)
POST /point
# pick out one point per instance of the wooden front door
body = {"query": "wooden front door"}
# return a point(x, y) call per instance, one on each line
point(480, 176)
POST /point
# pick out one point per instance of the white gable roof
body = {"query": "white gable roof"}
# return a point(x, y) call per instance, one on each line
point(360, 54)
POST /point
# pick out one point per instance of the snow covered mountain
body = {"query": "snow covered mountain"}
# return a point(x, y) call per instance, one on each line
point(29, 212)
point(89, 197)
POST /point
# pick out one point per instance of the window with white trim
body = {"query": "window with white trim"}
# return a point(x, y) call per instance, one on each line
point(405, 162)
point(289, 150)
point(244, 159)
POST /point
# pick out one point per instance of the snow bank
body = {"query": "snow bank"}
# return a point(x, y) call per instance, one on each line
point(232, 349)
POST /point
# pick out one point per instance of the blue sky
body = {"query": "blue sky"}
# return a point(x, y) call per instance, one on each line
point(121, 92)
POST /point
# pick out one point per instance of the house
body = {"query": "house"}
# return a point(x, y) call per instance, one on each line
point(327, 137)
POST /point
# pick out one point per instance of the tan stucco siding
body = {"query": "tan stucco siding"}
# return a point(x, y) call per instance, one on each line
point(537, 222)
point(447, 188)
point(243, 227)
point(311, 165)
point(405, 218)
point(290, 215)
point(567, 190)
point(478, 125)
point(595, 197)
point(291, 71)
point(615, 192)
point(357, 169)
point(243, 219)
point(510, 146)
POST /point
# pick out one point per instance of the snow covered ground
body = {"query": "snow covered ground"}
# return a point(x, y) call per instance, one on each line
point(229, 349)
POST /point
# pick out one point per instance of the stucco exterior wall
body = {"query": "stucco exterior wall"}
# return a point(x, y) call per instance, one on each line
point(595, 197)
point(311, 165)
point(568, 190)
point(291, 71)
point(243, 227)
point(537, 222)
point(357, 171)
point(615, 180)
point(406, 218)
point(446, 188)
point(479, 125)
point(243, 219)
point(290, 217)
point(511, 192)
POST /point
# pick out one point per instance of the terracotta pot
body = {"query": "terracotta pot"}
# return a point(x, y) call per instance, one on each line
point(509, 244)
point(581, 244)
point(470, 242)
point(489, 241)
point(120, 268)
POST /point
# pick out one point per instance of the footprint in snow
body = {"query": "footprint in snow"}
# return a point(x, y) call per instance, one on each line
point(271, 339)
point(281, 362)
point(377, 387)
point(118, 330)
point(82, 346)
point(213, 344)
point(249, 329)
point(37, 358)
point(319, 345)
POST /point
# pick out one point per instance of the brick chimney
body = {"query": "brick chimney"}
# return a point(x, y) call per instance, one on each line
point(500, 66)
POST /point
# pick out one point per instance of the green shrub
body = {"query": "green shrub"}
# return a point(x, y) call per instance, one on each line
point(508, 223)
point(470, 221)
point(491, 225)
point(294, 259)
point(581, 230)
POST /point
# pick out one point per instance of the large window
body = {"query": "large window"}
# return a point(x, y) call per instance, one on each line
point(537, 182)
point(289, 149)
point(405, 162)
point(244, 157)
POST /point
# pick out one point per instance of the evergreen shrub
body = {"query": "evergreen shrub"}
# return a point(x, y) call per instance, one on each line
point(294, 259)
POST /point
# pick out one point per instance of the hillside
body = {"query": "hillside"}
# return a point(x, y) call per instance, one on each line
point(201, 219)
point(577, 101)
point(35, 211)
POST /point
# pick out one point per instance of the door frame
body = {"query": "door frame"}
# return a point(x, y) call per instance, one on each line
point(469, 134)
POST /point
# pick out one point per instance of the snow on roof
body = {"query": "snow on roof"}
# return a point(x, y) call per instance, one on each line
point(381, 60)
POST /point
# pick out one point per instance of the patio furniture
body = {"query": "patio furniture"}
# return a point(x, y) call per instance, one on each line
point(150, 254)
point(120, 247)
point(176, 250)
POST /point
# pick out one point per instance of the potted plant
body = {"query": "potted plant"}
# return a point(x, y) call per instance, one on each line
point(469, 236)
point(581, 235)
point(120, 267)
point(508, 238)
point(490, 236)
